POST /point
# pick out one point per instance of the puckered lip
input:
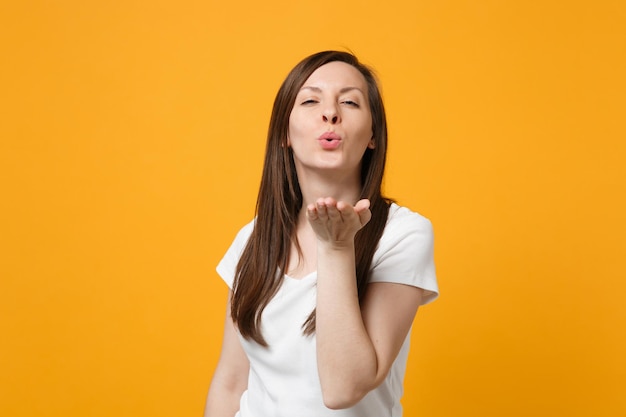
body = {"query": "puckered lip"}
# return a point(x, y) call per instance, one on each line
point(329, 136)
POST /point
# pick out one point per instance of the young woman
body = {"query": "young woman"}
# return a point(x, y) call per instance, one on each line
point(326, 281)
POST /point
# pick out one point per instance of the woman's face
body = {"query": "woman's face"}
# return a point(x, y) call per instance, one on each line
point(330, 125)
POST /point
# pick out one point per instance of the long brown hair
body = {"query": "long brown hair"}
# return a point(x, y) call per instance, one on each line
point(258, 276)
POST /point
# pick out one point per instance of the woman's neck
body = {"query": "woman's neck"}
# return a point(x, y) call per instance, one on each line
point(340, 187)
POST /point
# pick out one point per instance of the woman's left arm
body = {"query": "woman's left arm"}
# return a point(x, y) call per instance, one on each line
point(356, 344)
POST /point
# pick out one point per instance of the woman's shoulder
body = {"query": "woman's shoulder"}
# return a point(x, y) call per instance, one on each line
point(405, 252)
point(401, 217)
point(246, 229)
point(242, 236)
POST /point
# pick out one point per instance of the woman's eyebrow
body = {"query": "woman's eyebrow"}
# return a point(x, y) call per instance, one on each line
point(319, 90)
point(308, 87)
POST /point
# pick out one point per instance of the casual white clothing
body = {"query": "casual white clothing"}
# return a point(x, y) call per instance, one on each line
point(283, 379)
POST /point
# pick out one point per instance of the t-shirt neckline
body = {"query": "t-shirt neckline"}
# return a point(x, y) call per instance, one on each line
point(304, 278)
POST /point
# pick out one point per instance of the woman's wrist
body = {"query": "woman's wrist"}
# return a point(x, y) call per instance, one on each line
point(334, 247)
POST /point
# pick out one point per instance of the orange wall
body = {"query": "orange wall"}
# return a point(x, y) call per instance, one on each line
point(132, 140)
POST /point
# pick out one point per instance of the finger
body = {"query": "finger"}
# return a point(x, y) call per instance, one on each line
point(311, 212)
point(333, 210)
point(361, 205)
point(364, 216)
point(345, 209)
point(362, 208)
point(320, 206)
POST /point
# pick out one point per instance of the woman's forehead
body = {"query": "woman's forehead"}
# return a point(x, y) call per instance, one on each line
point(338, 75)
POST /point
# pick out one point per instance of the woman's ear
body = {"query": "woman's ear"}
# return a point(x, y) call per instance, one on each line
point(371, 144)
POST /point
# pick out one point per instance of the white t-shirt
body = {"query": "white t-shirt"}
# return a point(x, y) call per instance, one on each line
point(283, 379)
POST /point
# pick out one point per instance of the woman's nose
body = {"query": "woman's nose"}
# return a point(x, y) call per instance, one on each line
point(330, 115)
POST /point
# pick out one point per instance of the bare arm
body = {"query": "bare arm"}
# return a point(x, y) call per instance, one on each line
point(230, 379)
point(356, 346)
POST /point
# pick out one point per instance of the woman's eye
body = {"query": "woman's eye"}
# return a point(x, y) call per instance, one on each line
point(351, 103)
point(309, 101)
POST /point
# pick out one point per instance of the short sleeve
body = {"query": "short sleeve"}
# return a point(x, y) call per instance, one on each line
point(227, 266)
point(405, 253)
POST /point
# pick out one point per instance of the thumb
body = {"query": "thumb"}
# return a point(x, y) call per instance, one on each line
point(362, 208)
point(362, 205)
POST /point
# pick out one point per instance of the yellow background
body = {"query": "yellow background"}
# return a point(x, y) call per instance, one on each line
point(132, 141)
